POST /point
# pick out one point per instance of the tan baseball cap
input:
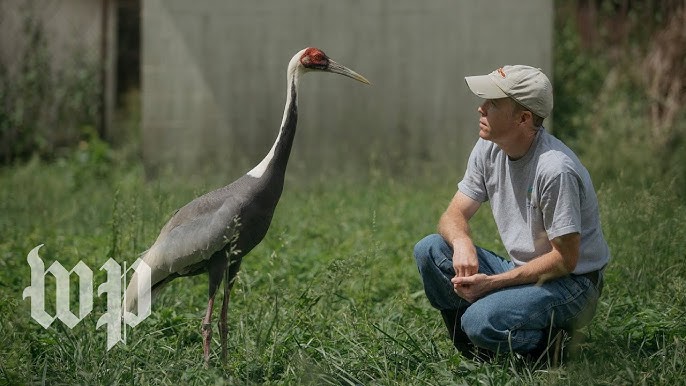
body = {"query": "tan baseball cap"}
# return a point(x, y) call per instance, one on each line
point(527, 85)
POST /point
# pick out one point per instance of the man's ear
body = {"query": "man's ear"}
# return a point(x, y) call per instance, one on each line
point(525, 115)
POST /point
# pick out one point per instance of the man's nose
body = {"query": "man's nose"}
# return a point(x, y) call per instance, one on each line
point(482, 109)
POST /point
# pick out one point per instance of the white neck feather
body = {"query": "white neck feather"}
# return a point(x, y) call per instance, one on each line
point(292, 76)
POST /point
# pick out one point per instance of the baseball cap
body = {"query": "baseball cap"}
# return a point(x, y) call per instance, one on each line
point(527, 85)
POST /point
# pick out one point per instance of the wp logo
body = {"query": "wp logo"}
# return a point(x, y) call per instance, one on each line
point(114, 318)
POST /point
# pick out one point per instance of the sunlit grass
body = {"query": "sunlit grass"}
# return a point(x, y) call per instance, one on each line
point(332, 295)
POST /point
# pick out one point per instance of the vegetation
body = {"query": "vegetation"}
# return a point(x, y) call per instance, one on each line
point(332, 295)
point(45, 111)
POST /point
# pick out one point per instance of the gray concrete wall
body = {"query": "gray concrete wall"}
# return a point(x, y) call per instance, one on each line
point(214, 79)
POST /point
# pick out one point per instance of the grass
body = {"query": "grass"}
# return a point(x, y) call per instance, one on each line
point(331, 296)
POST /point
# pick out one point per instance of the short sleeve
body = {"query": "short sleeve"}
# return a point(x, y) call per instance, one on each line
point(473, 184)
point(561, 205)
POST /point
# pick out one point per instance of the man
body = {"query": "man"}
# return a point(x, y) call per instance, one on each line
point(546, 210)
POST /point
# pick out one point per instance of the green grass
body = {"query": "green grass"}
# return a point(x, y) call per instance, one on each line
point(331, 296)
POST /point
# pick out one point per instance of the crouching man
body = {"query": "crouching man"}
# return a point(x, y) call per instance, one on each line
point(546, 211)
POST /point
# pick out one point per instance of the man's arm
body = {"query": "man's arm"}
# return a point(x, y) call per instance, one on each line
point(454, 227)
point(560, 261)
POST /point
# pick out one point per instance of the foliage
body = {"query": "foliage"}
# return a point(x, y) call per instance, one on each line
point(331, 296)
point(44, 109)
point(578, 77)
point(619, 89)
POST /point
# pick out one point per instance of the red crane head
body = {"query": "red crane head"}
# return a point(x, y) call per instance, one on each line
point(314, 59)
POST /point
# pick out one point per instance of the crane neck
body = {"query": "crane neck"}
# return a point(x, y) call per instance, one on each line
point(277, 159)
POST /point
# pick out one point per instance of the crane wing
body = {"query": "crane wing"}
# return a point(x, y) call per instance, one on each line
point(198, 230)
point(195, 232)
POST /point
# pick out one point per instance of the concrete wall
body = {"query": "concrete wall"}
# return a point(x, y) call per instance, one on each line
point(214, 81)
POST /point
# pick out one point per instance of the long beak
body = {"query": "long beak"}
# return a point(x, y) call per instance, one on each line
point(343, 70)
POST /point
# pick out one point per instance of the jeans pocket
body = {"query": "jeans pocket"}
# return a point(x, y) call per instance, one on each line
point(571, 288)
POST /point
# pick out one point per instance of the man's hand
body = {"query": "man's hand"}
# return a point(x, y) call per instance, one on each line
point(465, 261)
point(471, 288)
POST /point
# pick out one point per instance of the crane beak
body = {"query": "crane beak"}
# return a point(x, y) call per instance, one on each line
point(343, 70)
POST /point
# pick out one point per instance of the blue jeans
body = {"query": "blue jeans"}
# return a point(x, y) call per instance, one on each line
point(509, 319)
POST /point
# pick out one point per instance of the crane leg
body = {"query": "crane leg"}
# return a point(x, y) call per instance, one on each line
point(207, 331)
point(216, 268)
point(231, 272)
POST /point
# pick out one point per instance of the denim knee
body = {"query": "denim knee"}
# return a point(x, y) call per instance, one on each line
point(422, 250)
point(423, 246)
point(472, 326)
point(479, 330)
point(489, 327)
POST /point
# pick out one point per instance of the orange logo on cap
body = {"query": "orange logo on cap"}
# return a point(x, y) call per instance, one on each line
point(501, 72)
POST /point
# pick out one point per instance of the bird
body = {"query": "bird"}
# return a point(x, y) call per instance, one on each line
point(212, 233)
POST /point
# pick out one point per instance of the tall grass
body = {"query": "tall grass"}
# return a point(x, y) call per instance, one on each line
point(331, 296)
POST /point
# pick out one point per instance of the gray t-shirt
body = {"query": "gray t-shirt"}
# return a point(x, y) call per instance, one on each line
point(543, 195)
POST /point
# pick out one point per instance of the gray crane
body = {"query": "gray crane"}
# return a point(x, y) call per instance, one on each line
point(213, 232)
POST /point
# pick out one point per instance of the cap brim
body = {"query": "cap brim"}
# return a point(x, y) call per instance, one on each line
point(484, 87)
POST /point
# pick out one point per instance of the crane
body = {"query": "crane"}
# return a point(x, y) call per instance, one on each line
point(215, 231)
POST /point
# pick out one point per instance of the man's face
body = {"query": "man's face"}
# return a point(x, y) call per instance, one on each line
point(497, 120)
